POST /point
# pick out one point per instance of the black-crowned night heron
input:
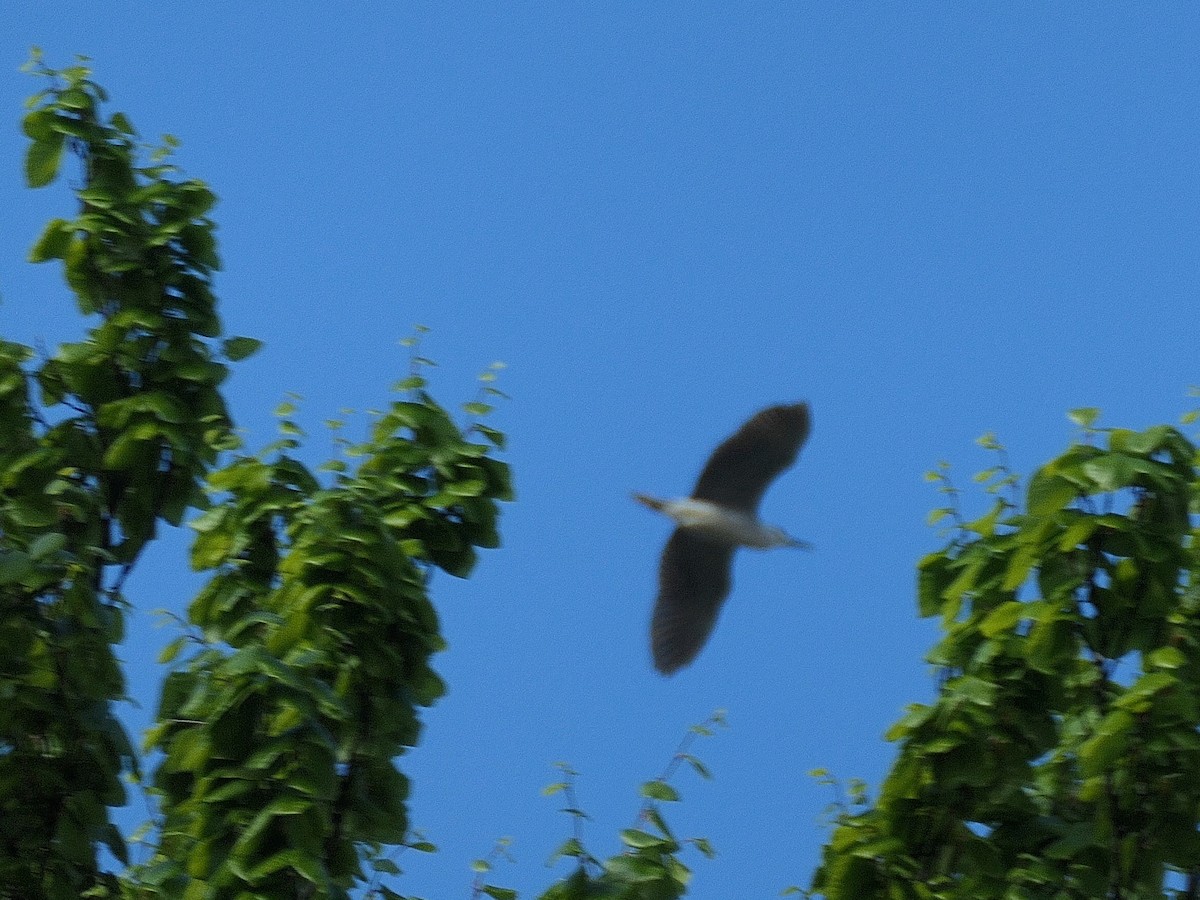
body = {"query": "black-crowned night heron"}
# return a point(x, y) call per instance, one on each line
point(720, 516)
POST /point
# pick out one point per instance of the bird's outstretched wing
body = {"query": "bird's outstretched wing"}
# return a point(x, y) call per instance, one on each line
point(740, 470)
point(693, 579)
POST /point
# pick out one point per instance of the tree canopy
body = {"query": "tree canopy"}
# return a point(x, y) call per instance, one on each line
point(1060, 757)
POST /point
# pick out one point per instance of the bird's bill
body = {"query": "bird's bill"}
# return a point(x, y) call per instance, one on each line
point(649, 501)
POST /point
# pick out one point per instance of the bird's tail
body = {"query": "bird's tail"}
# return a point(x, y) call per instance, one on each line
point(651, 502)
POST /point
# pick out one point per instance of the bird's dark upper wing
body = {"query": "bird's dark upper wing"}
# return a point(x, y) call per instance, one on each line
point(693, 580)
point(739, 471)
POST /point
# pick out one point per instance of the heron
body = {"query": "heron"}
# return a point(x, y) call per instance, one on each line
point(720, 515)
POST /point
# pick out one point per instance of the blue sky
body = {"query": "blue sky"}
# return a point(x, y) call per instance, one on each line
point(929, 220)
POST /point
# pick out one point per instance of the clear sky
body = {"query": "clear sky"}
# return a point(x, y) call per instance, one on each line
point(930, 220)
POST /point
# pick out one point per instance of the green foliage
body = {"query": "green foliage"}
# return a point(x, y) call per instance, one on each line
point(310, 644)
point(649, 868)
point(307, 655)
point(278, 751)
point(1061, 757)
point(104, 440)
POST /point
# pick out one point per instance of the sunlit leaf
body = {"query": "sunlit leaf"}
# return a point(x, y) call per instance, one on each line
point(659, 790)
point(42, 160)
point(1002, 618)
point(239, 348)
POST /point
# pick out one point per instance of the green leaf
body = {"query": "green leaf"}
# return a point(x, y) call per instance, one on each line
point(637, 839)
point(659, 790)
point(1078, 532)
point(680, 873)
point(471, 487)
point(1002, 618)
point(496, 437)
point(14, 566)
point(636, 869)
point(42, 160)
point(1166, 658)
point(53, 243)
point(76, 99)
point(1099, 753)
point(916, 714)
point(569, 848)
point(964, 582)
point(46, 545)
point(38, 125)
point(1050, 646)
point(985, 525)
point(71, 842)
point(654, 817)
point(169, 652)
point(1084, 416)
point(1111, 471)
point(1139, 696)
point(1020, 564)
point(300, 862)
point(701, 769)
point(120, 122)
point(386, 866)
point(238, 348)
point(977, 690)
point(933, 577)
point(1048, 494)
point(411, 383)
point(128, 451)
point(1150, 441)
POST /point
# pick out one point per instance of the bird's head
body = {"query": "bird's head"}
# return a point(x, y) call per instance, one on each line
point(780, 538)
point(651, 502)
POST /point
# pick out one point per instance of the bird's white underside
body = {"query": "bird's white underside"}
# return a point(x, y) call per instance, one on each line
point(729, 526)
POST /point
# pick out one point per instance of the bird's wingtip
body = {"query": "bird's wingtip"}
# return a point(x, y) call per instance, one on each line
point(666, 667)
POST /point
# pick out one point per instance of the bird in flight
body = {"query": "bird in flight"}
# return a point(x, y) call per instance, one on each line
point(720, 516)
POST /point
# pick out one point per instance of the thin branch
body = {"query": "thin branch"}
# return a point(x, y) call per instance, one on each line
point(704, 729)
